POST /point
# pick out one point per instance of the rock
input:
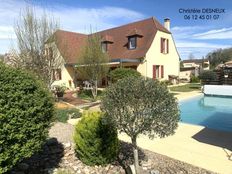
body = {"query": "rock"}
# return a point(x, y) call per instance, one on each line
point(144, 168)
point(23, 166)
point(75, 168)
point(154, 172)
point(86, 170)
point(67, 145)
point(70, 153)
point(78, 171)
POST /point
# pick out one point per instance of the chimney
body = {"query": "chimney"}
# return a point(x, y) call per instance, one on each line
point(167, 23)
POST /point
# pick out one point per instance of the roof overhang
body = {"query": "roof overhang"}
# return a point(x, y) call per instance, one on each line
point(112, 62)
point(126, 60)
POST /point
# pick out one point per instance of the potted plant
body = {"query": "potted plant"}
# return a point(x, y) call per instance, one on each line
point(59, 91)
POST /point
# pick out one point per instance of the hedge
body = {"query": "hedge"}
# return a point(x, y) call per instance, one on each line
point(26, 111)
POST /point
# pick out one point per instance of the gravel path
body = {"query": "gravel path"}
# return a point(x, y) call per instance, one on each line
point(62, 131)
point(150, 160)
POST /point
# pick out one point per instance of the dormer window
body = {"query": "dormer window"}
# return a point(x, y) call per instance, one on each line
point(104, 47)
point(133, 35)
point(132, 43)
point(105, 43)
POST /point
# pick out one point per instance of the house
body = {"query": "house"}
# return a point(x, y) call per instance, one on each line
point(200, 64)
point(193, 67)
point(146, 46)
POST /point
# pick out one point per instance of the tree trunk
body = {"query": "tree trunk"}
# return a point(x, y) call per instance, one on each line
point(136, 156)
point(94, 90)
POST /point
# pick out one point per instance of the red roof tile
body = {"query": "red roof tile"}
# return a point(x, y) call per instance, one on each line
point(70, 44)
point(107, 38)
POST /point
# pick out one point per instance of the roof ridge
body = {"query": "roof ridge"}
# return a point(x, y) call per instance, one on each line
point(124, 25)
point(155, 21)
point(71, 32)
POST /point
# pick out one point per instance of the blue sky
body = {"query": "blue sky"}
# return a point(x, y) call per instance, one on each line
point(197, 37)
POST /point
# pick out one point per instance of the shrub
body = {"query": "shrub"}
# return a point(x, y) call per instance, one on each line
point(62, 115)
point(26, 111)
point(139, 106)
point(208, 75)
point(96, 141)
point(194, 79)
point(120, 73)
point(87, 94)
point(166, 82)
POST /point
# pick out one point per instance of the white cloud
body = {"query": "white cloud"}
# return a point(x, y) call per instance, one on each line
point(80, 19)
point(185, 32)
point(187, 28)
point(224, 33)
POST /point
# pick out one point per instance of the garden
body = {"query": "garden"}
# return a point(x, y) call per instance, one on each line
point(37, 136)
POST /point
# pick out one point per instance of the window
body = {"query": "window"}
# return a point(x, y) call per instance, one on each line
point(164, 46)
point(57, 74)
point(158, 71)
point(104, 47)
point(132, 43)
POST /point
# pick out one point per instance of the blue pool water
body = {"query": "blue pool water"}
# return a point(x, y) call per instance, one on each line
point(211, 112)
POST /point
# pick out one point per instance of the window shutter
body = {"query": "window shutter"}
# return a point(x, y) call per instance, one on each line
point(161, 45)
point(59, 71)
point(167, 46)
point(154, 71)
point(162, 71)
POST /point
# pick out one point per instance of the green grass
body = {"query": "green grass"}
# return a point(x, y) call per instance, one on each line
point(186, 88)
point(62, 115)
point(87, 95)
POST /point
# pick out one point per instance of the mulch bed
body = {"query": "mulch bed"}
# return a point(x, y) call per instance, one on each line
point(69, 98)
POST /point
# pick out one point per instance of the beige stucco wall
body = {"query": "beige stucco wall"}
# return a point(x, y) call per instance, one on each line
point(185, 75)
point(192, 64)
point(67, 73)
point(170, 61)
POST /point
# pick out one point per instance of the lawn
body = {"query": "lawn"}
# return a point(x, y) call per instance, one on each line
point(87, 95)
point(63, 114)
point(186, 88)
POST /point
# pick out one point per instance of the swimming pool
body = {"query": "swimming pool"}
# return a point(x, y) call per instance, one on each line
point(211, 112)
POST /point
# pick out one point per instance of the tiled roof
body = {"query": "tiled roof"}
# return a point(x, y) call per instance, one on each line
point(70, 44)
point(107, 38)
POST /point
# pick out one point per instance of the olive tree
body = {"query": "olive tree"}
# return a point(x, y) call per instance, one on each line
point(138, 106)
point(92, 64)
